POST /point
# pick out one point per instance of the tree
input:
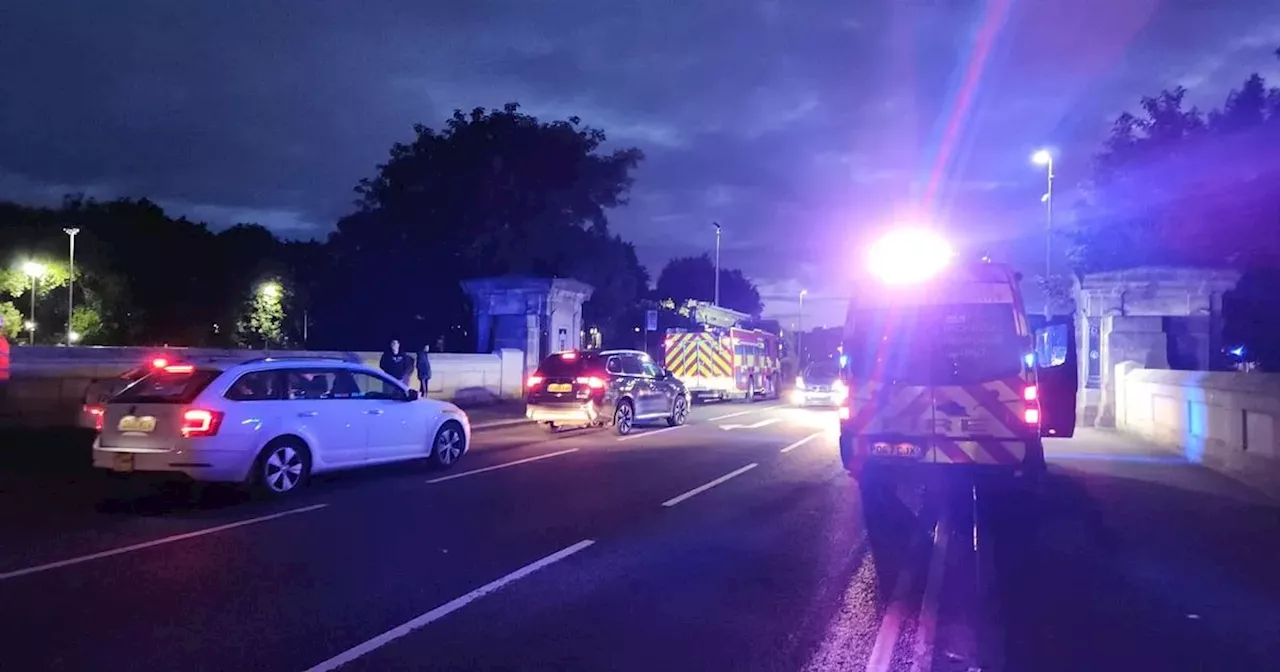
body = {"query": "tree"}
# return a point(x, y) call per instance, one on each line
point(493, 192)
point(1178, 186)
point(12, 320)
point(262, 323)
point(687, 278)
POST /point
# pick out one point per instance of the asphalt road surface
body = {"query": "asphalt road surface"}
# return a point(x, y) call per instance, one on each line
point(735, 542)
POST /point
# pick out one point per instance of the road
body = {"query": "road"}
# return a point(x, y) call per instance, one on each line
point(735, 542)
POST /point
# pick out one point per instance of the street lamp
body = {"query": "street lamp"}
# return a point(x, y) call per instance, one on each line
point(34, 270)
point(1044, 158)
point(71, 232)
point(716, 302)
point(271, 290)
point(800, 327)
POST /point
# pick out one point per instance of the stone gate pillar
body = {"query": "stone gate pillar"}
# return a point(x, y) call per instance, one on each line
point(528, 314)
point(1161, 317)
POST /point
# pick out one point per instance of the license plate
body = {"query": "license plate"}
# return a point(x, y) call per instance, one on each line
point(559, 387)
point(122, 462)
point(143, 425)
point(899, 450)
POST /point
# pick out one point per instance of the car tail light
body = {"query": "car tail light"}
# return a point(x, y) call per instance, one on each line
point(569, 355)
point(593, 382)
point(199, 422)
point(1031, 416)
point(1030, 393)
point(180, 368)
point(97, 412)
point(159, 363)
point(533, 381)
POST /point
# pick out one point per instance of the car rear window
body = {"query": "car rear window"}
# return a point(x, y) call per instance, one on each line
point(558, 366)
point(163, 387)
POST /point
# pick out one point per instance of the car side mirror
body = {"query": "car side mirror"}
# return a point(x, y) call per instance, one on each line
point(412, 395)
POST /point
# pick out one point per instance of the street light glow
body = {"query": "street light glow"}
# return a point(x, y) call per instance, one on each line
point(1042, 158)
point(270, 290)
point(34, 269)
point(73, 336)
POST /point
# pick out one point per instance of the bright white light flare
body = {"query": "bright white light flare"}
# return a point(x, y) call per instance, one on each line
point(908, 256)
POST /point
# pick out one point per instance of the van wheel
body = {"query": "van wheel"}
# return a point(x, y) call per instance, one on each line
point(282, 468)
point(449, 445)
point(624, 418)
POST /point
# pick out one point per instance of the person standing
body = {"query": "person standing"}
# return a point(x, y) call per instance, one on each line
point(396, 364)
point(424, 368)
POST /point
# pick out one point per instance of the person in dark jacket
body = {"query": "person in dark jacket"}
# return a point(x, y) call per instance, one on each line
point(396, 364)
point(424, 369)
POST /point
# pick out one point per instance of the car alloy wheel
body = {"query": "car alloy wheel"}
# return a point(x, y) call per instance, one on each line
point(283, 469)
point(679, 413)
point(623, 419)
point(449, 445)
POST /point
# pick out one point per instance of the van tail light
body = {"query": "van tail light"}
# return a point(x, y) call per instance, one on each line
point(593, 382)
point(199, 422)
point(97, 412)
point(1030, 393)
point(179, 368)
point(1031, 416)
point(159, 363)
point(843, 409)
point(533, 381)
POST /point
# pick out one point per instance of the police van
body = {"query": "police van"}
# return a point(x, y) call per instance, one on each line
point(943, 369)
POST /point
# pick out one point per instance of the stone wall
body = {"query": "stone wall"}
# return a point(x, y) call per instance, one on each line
point(47, 384)
point(1227, 421)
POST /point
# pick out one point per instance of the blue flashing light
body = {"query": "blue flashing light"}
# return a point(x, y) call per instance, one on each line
point(1237, 351)
point(1029, 359)
point(844, 361)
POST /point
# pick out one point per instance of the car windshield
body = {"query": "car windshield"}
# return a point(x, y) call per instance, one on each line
point(823, 372)
point(937, 345)
point(163, 387)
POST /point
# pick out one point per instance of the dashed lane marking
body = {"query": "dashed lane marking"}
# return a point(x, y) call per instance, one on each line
point(155, 542)
point(703, 488)
point(641, 435)
point(803, 441)
point(504, 465)
point(445, 609)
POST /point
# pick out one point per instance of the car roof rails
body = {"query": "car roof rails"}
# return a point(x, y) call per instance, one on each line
point(352, 359)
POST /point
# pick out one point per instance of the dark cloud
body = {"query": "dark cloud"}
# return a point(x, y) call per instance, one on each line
point(796, 124)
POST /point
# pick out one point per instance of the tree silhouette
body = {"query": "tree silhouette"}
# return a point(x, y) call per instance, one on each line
point(687, 278)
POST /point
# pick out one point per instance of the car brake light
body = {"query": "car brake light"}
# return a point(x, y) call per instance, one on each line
point(569, 355)
point(199, 422)
point(1030, 393)
point(97, 412)
point(592, 382)
point(159, 363)
point(533, 381)
point(180, 368)
point(1031, 416)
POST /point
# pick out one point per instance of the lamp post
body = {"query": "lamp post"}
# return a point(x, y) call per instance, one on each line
point(71, 232)
point(800, 328)
point(1044, 158)
point(34, 270)
point(716, 302)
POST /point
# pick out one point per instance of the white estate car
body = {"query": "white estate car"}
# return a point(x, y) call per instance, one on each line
point(273, 422)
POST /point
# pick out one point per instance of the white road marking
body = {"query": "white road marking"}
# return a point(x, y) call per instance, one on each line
point(763, 423)
point(803, 441)
point(881, 658)
point(656, 431)
point(445, 609)
point(726, 417)
point(155, 542)
point(504, 465)
point(927, 627)
point(703, 488)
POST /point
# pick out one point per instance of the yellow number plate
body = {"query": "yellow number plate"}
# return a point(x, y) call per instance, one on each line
point(145, 424)
point(559, 387)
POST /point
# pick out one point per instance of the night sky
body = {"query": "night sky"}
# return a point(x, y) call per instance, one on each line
point(795, 124)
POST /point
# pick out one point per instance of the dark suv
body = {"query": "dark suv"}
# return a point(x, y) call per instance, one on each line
point(612, 387)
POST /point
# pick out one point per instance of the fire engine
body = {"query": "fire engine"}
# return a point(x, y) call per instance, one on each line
point(719, 359)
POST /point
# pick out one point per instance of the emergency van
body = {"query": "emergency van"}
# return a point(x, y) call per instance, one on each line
point(943, 368)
